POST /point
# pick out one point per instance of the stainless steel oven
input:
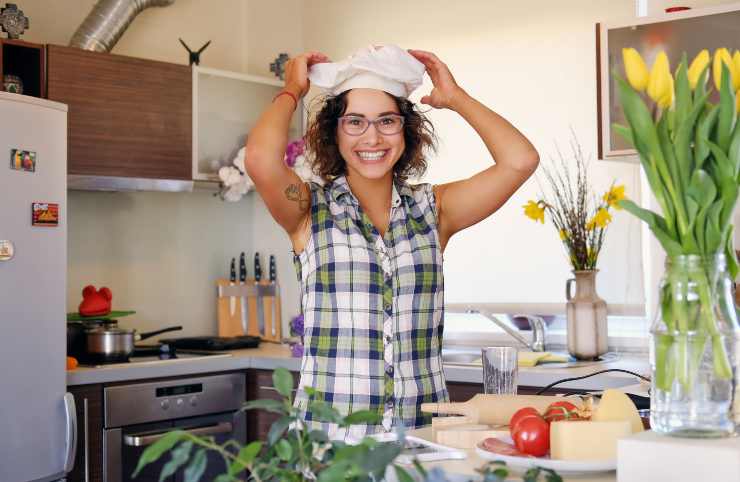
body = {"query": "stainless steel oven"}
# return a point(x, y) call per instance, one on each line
point(137, 415)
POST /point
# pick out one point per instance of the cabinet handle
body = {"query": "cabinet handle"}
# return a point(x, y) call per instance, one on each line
point(141, 440)
point(87, 440)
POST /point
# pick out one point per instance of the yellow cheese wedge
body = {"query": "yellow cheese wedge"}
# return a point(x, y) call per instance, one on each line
point(615, 406)
point(586, 440)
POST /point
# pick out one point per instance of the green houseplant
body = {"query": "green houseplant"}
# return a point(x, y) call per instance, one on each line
point(688, 141)
point(293, 454)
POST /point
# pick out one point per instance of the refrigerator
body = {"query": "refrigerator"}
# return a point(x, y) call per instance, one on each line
point(37, 417)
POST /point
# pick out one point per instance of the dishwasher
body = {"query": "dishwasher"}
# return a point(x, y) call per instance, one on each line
point(137, 415)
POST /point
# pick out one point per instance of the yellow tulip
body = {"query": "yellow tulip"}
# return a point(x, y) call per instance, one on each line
point(697, 67)
point(736, 64)
point(635, 68)
point(722, 56)
point(737, 100)
point(660, 84)
point(535, 211)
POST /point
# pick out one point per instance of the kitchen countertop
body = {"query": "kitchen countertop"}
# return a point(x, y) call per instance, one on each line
point(465, 469)
point(270, 356)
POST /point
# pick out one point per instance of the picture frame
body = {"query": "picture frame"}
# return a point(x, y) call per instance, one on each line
point(687, 31)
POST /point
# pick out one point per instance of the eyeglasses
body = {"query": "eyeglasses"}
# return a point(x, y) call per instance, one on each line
point(388, 125)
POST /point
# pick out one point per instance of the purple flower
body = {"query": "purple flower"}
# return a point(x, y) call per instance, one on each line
point(296, 350)
point(296, 326)
point(294, 149)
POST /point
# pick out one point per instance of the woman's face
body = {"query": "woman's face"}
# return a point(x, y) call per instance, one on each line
point(371, 155)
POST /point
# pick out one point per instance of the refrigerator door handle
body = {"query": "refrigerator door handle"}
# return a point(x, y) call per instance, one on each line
point(71, 438)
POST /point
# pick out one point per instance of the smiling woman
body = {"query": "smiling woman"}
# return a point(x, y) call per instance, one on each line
point(368, 245)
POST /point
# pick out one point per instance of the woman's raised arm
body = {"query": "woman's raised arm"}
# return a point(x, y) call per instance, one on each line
point(286, 196)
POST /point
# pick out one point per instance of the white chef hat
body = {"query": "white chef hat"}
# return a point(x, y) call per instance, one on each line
point(388, 68)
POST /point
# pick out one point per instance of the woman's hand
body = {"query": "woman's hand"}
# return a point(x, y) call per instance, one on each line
point(445, 91)
point(296, 72)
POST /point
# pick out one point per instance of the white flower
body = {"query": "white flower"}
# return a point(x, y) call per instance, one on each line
point(229, 175)
point(239, 160)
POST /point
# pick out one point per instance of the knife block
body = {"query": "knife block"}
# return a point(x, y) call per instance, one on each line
point(265, 292)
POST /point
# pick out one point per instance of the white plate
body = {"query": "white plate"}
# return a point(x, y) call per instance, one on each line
point(560, 466)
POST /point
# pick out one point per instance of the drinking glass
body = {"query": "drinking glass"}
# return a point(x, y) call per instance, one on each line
point(499, 369)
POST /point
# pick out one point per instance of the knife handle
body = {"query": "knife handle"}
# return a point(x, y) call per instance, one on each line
point(242, 268)
point(232, 271)
point(257, 268)
point(273, 269)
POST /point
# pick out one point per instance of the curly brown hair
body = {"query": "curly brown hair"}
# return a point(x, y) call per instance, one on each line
point(321, 139)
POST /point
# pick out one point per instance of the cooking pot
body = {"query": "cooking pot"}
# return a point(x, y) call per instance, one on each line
point(77, 338)
point(114, 345)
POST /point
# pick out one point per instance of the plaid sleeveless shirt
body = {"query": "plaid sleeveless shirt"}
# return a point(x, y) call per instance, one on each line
point(373, 309)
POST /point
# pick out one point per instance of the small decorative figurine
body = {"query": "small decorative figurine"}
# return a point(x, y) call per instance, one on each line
point(278, 66)
point(194, 56)
point(12, 20)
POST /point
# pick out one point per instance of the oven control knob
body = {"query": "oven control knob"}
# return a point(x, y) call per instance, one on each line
point(165, 404)
point(180, 402)
point(193, 401)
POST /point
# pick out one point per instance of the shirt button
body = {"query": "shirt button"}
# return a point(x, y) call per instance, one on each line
point(389, 370)
point(388, 338)
point(388, 307)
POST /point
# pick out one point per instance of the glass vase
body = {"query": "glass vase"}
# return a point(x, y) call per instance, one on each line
point(694, 350)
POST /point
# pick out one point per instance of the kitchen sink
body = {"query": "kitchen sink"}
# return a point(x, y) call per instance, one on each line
point(472, 357)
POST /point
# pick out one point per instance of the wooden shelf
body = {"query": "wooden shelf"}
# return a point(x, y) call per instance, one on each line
point(26, 61)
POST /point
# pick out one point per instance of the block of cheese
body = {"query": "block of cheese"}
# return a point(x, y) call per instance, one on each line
point(467, 436)
point(615, 406)
point(584, 440)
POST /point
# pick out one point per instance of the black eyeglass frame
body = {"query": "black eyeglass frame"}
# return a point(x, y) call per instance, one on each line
point(401, 118)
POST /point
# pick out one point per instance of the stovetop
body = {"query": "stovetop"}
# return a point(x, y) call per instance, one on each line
point(148, 358)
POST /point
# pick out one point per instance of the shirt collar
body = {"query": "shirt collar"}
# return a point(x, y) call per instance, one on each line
point(340, 189)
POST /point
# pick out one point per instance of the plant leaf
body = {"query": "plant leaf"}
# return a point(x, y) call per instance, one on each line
point(625, 132)
point(704, 126)
point(283, 382)
point(245, 457)
point(713, 231)
point(402, 475)
point(323, 412)
point(657, 226)
point(362, 416)
point(284, 450)
point(155, 451)
point(180, 455)
point(197, 466)
point(727, 110)
point(278, 428)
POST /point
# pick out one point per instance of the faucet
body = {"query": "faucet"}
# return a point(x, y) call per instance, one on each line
point(535, 322)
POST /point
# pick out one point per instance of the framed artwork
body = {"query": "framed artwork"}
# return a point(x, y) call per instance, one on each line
point(687, 31)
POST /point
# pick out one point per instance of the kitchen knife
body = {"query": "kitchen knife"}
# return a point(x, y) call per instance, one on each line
point(242, 282)
point(232, 279)
point(276, 296)
point(260, 306)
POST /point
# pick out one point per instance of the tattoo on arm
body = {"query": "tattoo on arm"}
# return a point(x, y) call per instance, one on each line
point(294, 193)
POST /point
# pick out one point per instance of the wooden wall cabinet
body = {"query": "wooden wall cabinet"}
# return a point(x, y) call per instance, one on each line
point(88, 466)
point(128, 117)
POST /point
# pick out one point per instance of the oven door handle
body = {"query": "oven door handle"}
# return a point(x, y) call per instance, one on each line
point(141, 440)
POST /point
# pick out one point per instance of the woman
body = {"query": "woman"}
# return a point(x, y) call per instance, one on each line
point(368, 246)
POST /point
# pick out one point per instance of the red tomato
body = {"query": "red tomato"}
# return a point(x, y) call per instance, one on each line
point(532, 436)
point(520, 414)
point(562, 410)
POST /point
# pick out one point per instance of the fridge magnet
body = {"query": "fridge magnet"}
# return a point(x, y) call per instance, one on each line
point(21, 160)
point(7, 250)
point(44, 214)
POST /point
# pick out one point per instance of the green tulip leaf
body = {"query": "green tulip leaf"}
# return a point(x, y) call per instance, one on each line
point(657, 226)
point(667, 145)
point(713, 231)
point(625, 132)
point(727, 110)
point(733, 153)
point(730, 254)
point(683, 104)
point(706, 123)
point(682, 141)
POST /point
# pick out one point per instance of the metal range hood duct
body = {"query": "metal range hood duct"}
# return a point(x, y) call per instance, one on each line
point(107, 22)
